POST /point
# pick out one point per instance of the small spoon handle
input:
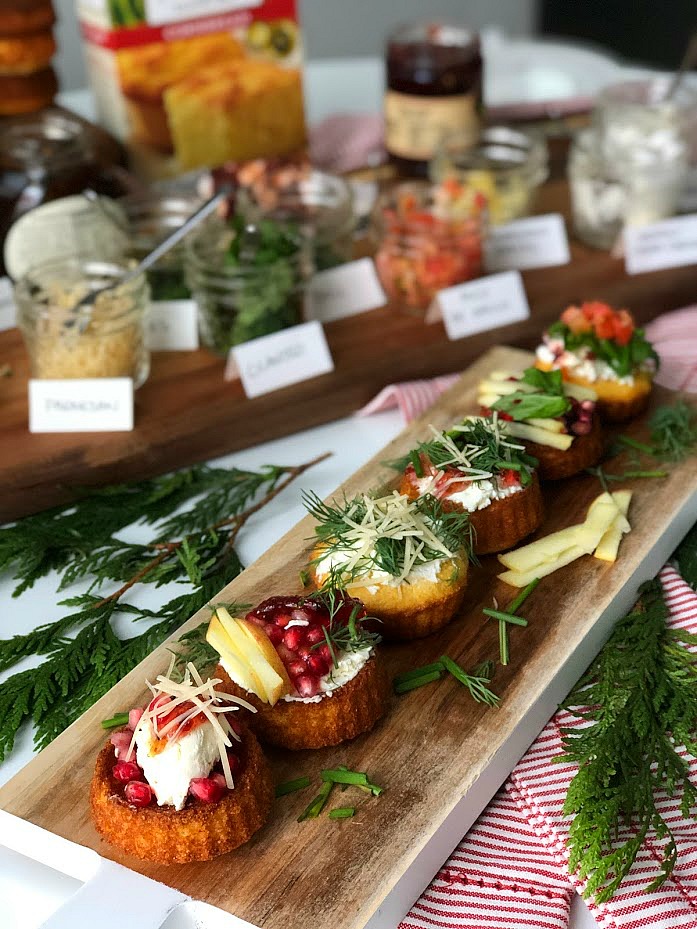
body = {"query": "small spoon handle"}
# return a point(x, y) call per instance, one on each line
point(688, 61)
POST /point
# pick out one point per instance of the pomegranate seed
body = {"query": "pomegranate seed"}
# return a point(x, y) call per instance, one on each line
point(138, 793)
point(317, 665)
point(205, 789)
point(588, 405)
point(234, 762)
point(274, 633)
point(307, 686)
point(581, 427)
point(121, 741)
point(282, 620)
point(134, 717)
point(325, 652)
point(125, 771)
point(314, 635)
point(296, 668)
point(219, 779)
point(285, 654)
point(304, 652)
point(293, 637)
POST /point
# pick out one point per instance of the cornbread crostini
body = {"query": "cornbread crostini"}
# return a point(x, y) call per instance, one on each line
point(555, 420)
point(184, 781)
point(595, 346)
point(406, 560)
point(478, 468)
point(307, 665)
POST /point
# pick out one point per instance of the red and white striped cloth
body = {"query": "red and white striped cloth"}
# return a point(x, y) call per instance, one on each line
point(674, 336)
point(510, 870)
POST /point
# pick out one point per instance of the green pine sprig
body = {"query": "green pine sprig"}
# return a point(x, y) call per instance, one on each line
point(640, 698)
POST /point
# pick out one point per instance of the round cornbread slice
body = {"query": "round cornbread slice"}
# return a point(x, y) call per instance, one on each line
point(415, 609)
point(198, 832)
point(616, 402)
point(26, 54)
point(501, 524)
point(348, 712)
point(26, 93)
point(26, 16)
point(554, 464)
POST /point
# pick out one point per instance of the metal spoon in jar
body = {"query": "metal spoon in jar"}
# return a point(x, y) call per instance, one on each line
point(83, 307)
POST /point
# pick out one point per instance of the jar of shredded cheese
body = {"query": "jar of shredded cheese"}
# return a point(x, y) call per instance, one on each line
point(106, 338)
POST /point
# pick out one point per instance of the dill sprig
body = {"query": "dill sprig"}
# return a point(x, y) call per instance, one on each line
point(478, 447)
point(343, 636)
point(390, 534)
point(639, 698)
point(83, 655)
point(674, 431)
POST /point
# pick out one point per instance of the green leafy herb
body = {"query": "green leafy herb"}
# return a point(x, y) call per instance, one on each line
point(315, 807)
point(547, 382)
point(532, 406)
point(475, 683)
point(520, 598)
point(290, 787)
point(505, 617)
point(436, 666)
point(420, 680)
point(342, 812)
point(358, 779)
point(640, 698)
point(504, 652)
point(121, 719)
point(349, 636)
point(623, 359)
point(84, 656)
point(674, 431)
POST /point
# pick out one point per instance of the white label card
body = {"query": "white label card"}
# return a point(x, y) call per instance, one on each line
point(346, 290)
point(487, 303)
point(280, 359)
point(672, 243)
point(172, 326)
point(8, 312)
point(159, 12)
point(95, 404)
point(533, 242)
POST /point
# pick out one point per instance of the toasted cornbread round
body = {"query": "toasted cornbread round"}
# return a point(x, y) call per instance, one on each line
point(412, 610)
point(585, 451)
point(25, 16)
point(26, 54)
point(616, 402)
point(26, 93)
point(198, 832)
point(347, 713)
point(503, 523)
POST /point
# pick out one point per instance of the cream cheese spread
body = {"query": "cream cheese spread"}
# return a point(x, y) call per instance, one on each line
point(169, 770)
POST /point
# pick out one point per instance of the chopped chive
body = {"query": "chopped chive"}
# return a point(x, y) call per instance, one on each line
point(120, 719)
point(418, 672)
point(508, 465)
point(476, 685)
point(503, 642)
point(315, 807)
point(354, 778)
point(291, 786)
point(643, 474)
point(505, 617)
point(342, 812)
point(639, 446)
point(415, 682)
point(515, 604)
point(416, 462)
point(342, 767)
point(304, 578)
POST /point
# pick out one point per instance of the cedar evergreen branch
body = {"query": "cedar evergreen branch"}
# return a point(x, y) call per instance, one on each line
point(196, 514)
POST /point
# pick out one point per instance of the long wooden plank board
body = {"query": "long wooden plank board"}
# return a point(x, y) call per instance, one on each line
point(186, 412)
point(434, 750)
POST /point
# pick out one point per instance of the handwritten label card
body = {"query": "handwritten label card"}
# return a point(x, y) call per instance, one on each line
point(533, 242)
point(344, 291)
point(672, 243)
point(8, 312)
point(172, 326)
point(96, 404)
point(280, 359)
point(487, 303)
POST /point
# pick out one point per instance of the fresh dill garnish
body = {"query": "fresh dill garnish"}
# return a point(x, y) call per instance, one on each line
point(639, 701)
point(475, 683)
point(674, 431)
point(343, 636)
point(479, 448)
point(389, 534)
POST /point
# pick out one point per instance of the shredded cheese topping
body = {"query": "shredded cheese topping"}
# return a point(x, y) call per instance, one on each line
point(464, 459)
point(168, 695)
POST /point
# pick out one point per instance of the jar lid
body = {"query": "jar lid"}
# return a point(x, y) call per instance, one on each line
point(48, 140)
point(435, 34)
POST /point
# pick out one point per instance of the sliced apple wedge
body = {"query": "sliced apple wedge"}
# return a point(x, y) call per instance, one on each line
point(253, 647)
point(551, 425)
point(540, 436)
point(238, 669)
point(609, 545)
point(579, 393)
point(523, 578)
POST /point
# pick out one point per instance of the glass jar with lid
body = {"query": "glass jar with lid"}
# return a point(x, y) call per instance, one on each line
point(42, 158)
point(640, 185)
point(506, 165)
point(434, 89)
point(104, 339)
point(428, 237)
point(318, 205)
point(248, 280)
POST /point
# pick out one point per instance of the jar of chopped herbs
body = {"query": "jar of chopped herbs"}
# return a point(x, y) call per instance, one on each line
point(247, 279)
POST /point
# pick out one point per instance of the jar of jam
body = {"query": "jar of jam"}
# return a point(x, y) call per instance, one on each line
point(434, 89)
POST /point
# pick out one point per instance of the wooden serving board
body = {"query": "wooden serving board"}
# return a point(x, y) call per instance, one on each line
point(439, 755)
point(186, 412)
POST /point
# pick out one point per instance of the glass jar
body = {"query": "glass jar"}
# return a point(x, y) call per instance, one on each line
point(43, 157)
point(104, 339)
point(506, 165)
point(428, 237)
point(242, 288)
point(151, 219)
point(434, 89)
point(318, 205)
point(633, 189)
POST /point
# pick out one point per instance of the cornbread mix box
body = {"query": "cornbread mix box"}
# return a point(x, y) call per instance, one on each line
point(193, 83)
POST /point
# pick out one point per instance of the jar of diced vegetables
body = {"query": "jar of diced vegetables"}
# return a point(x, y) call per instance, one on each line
point(427, 238)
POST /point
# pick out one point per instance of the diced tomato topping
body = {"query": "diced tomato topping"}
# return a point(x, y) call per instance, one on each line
point(624, 327)
point(510, 478)
point(576, 320)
